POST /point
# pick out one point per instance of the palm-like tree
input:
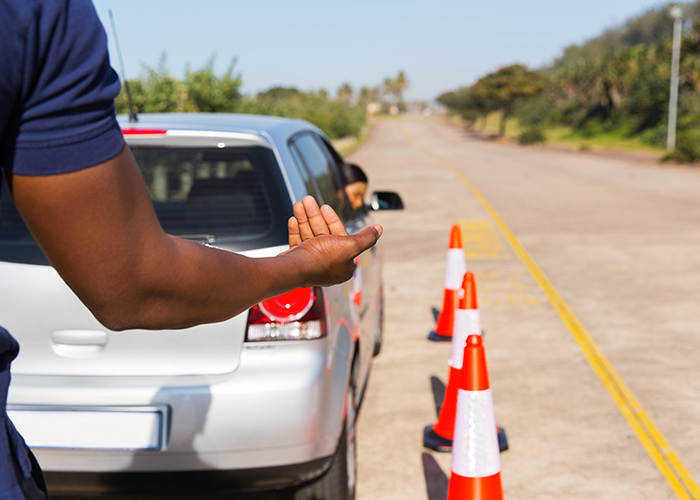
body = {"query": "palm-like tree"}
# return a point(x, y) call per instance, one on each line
point(345, 93)
point(395, 87)
point(401, 85)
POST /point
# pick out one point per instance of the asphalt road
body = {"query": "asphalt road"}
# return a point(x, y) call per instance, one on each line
point(618, 240)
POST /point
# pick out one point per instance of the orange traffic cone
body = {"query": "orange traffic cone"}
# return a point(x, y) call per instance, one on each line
point(476, 465)
point(467, 322)
point(454, 272)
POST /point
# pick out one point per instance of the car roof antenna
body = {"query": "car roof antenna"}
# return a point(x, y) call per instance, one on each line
point(132, 114)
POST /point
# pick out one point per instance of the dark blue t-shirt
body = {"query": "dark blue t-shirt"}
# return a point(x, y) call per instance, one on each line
point(57, 88)
point(57, 93)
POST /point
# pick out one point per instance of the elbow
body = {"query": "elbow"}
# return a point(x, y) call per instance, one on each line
point(115, 323)
point(143, 311)
point(127, 309)
point(116, 317)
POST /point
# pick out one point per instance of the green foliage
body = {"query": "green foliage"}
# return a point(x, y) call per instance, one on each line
point(211, 94)
point(156, 91)
point(614, 85)
point(346, 93)
point(463, 103)
point(337, 119)
point(202, 90)
point(508, 84)
point(280, 94)
point(649, 27)
point(687, 146)
point(368, 95)
point(498, 91)
point(395, 87)
point(619, 81)
point(532, 135)
point(536, 111)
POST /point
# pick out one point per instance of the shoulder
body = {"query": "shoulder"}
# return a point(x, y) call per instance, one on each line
point(62, 111)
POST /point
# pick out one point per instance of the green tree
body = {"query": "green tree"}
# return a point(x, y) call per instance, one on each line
point(207, 92)
point(394, 88)
point(464, 103)
point(154, 92)
point(157, 91)
point(335, 118)
point(203, 90)
point(279, 93)
point(504, 87)
point(368, 95)
point(345, 93)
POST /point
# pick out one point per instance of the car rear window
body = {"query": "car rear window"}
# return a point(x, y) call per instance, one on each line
point(234, 196)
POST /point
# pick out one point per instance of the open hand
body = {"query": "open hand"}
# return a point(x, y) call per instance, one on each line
point(319, 239)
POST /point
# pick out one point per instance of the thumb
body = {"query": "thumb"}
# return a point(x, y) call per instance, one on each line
point(366, 239)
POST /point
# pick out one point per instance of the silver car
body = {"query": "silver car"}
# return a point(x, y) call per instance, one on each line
point(265, 400)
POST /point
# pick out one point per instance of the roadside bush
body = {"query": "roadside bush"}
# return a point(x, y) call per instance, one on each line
point(687, 147)
point(337, 119)
point(534, 111)
point(592, 127)
point(156, 91)
point(532, 135)
point(655, 136)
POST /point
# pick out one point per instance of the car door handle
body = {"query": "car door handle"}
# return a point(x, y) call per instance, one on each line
point(78, 343)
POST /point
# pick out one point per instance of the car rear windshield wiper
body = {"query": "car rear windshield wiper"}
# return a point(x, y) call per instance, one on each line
point(209, 238)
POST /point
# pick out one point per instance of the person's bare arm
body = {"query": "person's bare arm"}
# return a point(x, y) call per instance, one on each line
point(98, 229)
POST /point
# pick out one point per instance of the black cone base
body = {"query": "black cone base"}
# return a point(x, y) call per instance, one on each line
point(434, 441)
point(502, 439)
point(436, 337)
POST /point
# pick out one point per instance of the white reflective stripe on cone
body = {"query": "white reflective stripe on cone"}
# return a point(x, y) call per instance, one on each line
point(459, 339)
point(473, 319)
point(475, 450)
point(455, 268)
point(467, 322)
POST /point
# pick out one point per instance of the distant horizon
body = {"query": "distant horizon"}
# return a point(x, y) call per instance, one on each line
point(311, 46)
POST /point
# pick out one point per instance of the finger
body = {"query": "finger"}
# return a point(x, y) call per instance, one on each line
point(366, 239)
point(302, 220)
point(316, 220)
point(294, 235)
point(333, 222)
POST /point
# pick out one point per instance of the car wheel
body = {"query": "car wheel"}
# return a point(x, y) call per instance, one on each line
point(338, 483)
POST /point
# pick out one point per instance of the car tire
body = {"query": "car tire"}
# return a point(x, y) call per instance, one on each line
point(338, 482)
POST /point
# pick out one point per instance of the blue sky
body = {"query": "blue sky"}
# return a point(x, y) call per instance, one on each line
point(312, 44)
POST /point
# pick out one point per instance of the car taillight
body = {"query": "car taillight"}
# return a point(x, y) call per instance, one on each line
point(296, 315)
point(143, 131)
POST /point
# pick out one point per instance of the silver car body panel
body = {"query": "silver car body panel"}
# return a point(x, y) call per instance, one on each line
point(280, 407)
point(202, 350)
point(232, 404)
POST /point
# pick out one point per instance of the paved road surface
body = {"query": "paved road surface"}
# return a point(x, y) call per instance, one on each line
point(619, 241)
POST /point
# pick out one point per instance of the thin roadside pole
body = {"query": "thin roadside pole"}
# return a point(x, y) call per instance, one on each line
point(677, 14)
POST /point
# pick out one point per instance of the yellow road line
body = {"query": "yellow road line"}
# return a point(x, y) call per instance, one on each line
point(654, 442)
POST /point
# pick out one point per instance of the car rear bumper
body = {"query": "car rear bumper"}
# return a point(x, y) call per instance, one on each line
point(184, 483)
point(282, 407)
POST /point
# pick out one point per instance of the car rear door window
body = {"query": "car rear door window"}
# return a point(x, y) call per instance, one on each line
point(309, 182)
point(320, 166)
point(335, 159)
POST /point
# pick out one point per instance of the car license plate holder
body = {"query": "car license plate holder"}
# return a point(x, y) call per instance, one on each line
point(92, 428)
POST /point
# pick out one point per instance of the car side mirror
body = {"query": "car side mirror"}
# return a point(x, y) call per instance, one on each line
point(386, 200)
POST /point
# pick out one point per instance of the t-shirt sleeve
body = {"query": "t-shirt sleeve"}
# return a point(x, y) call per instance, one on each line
point(62, 116)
